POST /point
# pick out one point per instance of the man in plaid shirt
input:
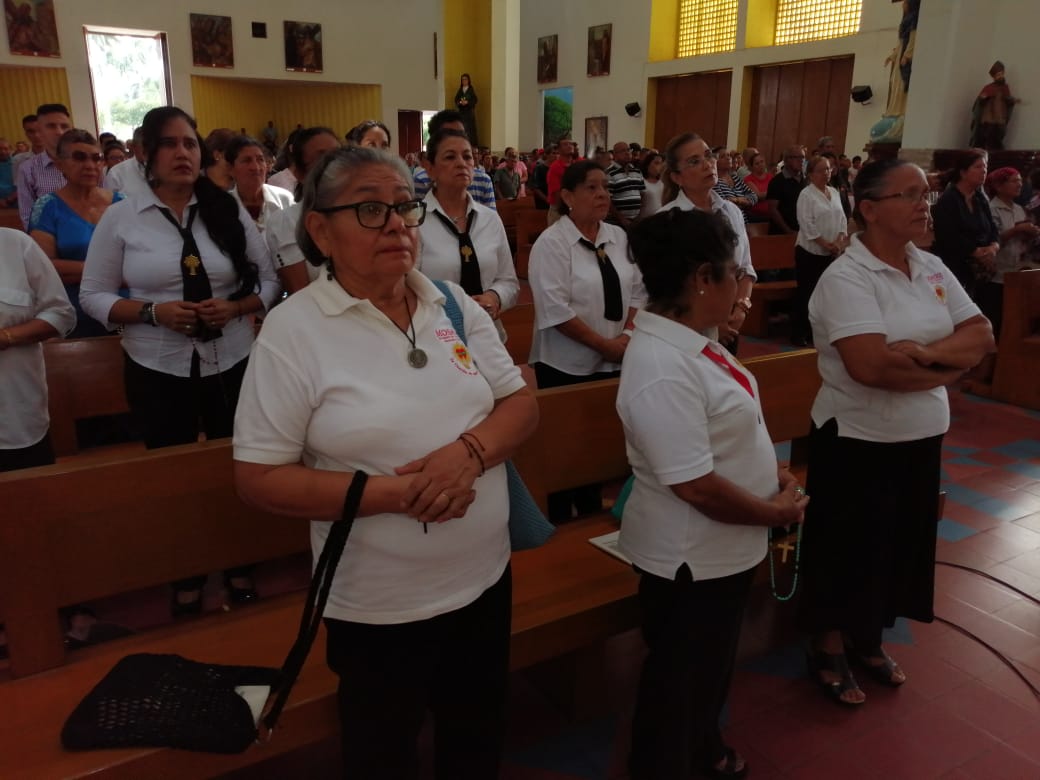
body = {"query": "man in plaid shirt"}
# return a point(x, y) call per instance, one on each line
point(40, 175)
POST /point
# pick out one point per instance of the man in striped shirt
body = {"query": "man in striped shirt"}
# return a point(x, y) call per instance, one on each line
point(626, 185)
point(40, 175)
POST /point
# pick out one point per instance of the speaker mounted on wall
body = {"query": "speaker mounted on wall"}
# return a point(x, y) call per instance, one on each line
point(259, 29)
point(633, 109)
point(862, 94)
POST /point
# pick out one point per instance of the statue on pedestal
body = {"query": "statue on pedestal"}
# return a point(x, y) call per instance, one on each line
point(890, 127)
point(992, 111)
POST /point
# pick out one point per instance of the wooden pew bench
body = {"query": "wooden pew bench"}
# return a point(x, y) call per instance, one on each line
point(519, 325)
point(1016, 379)
point(769, 253)
point(84, 381)
point(82, 531)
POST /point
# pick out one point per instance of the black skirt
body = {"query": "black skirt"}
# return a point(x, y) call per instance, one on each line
point(868, 546)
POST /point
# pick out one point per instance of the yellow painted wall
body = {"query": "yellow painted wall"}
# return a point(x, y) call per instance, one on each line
point(467, 49)
point(237, 103)
point(664, 31)
point(24, 89)
point(761, 23)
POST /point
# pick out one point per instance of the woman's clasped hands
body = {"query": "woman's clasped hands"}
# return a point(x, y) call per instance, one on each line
point(441, 484)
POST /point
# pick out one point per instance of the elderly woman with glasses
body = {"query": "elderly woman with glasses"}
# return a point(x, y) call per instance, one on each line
point(893, 327)
point(63, 222)
point(707, 486)
point(690, 185)
point(363, 370)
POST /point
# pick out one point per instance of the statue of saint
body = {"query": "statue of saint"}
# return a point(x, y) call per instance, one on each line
point(900, 62)
point(992, 111)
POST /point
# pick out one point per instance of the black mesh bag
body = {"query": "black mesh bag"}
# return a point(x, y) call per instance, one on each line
point(150, 700)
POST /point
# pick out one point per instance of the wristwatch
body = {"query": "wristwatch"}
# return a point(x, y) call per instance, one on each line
point(146, 314)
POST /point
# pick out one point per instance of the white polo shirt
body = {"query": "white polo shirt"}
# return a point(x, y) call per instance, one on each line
point(819, 216)
point(566, 283)
point(135, 244)
point(733, 215)
point(127, 177)
point(859, 294)
point(280, 235)
point(328, 384)
point(30, 289)
point(685, 417)
point(275, 199)
point(440, 250)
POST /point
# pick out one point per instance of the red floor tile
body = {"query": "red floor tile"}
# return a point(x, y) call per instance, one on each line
point(1023, 581)
point(1008, 684)
point(996, 543)
point(1001, 763)
point(1032, 522)
point(970, 516)
point(985, 708)
point(1028, 741)
point(971, 588)
point(927, 675)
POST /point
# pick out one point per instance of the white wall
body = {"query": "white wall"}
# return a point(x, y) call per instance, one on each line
point(630, 70)
point(388, 43)
point(957, 42)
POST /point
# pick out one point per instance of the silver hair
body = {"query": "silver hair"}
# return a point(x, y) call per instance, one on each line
point(329, 177)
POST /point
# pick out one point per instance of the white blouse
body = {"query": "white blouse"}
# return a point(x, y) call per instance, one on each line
point(275, 199)
point(819, 216)
point(135, 244)
point(30, 289)
point(440, 250)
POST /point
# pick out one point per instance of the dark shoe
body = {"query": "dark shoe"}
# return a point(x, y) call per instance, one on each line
point(820, 662)
point(887, 672)
point(241, 594)
point(181, 606)
point(734, 767)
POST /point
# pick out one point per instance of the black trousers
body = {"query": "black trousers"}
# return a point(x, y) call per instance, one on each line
point(691, 629)
point(39, 454)
point(808, 268)
point(171, 410)
point(455, 665)
point(588, 498)
point(990, 298)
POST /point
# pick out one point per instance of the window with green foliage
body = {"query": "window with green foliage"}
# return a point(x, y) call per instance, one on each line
point(798, 21)
point(706, 27)
point(129, 74)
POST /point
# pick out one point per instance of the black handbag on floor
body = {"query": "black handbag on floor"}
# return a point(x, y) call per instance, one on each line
point(150, 700)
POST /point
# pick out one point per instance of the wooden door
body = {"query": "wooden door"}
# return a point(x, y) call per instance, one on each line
point(799, 102)
point(698, 102)
point(409, 132)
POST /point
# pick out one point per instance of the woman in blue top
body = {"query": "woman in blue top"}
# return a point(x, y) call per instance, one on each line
point(63, 222)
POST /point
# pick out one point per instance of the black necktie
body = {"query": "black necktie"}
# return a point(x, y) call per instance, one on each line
point(469, 275)
point(613, 309)
point(193, 273)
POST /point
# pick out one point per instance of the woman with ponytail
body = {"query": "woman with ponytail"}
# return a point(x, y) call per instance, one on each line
point(196, 268)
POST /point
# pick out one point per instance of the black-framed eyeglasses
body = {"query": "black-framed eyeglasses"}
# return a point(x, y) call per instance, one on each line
point(907, 196)
point(375, 215)
point(82, 157)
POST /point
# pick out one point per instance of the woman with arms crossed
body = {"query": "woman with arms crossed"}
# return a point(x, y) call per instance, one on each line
point(893, 327)
point(362, 369)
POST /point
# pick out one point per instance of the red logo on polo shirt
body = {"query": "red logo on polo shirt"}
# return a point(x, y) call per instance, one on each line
point(462, 360)
point(940, 293)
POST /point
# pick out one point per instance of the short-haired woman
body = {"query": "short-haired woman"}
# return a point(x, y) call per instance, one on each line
point(463, 241)
point(822, 236)
point(893, 327)
point(63, 222)
point(196, 268)
point(690, 185)
point(707, 486)
point(1017, 233)
point(306, 149)
point(363, 369)
point(966, 237)
point(248, 161)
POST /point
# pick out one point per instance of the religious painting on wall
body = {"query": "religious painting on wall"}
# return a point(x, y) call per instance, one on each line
point(599, 50)
point(595, 135)
point(547, 59)
point(303, 47)
point(211, 42)
point(31, 28)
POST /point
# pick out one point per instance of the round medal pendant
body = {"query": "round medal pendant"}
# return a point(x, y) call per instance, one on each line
point(416, 357)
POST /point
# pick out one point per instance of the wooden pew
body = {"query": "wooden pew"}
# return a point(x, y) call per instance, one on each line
point(769, 253)
point(109, 527)
point(519, 325)
point(1016, 379)
point(9, 218)
point(507, 211)
point(84, 380)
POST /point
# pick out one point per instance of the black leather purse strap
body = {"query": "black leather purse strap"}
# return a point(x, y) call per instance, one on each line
point(317, 597)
